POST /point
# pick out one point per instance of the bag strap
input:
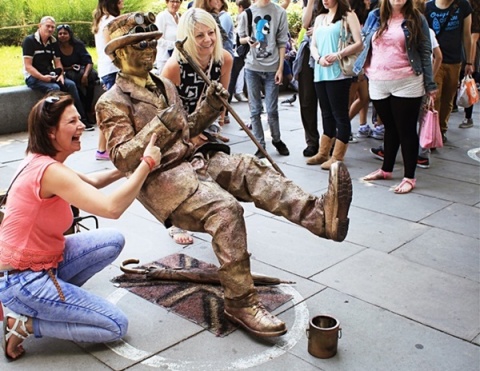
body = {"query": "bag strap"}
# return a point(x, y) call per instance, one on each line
point(453, 8)
point(249, 20)
point(10, 186)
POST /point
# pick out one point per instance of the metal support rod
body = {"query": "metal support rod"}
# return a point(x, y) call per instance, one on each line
point(199, 71)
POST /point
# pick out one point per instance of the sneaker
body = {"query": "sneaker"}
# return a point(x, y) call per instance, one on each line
point(240, 97)
point(364, 131)
point(466, 123)
point(444, 137)
point(281, 148)
point(352, 139)
point(423, 162)
point(102, 156)
point(377, 152)
point(378, 132)
point(88, 126)
point(259, 154)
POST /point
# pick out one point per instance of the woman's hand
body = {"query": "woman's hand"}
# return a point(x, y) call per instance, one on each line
point(152, 150)
point(327, 60)
point(84, 80)
point(432, 94)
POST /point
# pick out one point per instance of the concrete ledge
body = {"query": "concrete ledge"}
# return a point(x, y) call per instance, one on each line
point(16, 103)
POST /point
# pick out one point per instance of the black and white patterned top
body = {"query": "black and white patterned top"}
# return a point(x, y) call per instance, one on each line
point(192, 87)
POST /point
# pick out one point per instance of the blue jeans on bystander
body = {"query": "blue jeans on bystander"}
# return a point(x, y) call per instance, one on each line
point(255, 81)
point(83, 316)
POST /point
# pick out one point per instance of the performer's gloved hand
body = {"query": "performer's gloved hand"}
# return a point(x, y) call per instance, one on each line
point(173, 117)
point(213, 94)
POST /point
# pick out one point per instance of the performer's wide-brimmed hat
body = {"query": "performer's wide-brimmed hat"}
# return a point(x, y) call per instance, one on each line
point(131, 28)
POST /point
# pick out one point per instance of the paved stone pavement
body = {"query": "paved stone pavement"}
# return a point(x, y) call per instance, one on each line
point(404, 284)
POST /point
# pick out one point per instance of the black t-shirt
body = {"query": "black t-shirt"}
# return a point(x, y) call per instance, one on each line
point(42, 55)
point(79, 55)
point(451, 38)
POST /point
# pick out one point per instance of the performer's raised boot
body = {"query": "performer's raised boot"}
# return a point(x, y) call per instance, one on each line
point(253, 317)
point(336, 202)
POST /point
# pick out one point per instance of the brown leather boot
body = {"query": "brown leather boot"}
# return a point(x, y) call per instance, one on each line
point(323, 152)
point(336, 202)
point(253, 317)
point(338, 154)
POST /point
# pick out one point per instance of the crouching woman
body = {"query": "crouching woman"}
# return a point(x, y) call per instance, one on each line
point(41, 271)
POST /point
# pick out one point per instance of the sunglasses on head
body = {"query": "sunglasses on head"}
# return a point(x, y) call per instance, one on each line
point(144, 44)
point(140, 29)
point(49, 102)
point(66, 26)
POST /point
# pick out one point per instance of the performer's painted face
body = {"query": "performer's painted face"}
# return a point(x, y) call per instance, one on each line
point(137, 59)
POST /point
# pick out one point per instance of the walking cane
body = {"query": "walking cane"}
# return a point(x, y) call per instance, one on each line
point(197, 69)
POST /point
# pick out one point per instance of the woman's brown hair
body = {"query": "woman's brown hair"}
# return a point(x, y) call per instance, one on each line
point(44, 117)
point(343, 6)
point(413, 20)
point(104, 7)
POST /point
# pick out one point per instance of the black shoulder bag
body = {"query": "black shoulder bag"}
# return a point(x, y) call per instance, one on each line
point(243, 49)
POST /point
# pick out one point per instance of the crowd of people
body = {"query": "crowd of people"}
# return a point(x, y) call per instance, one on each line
point(159, 123)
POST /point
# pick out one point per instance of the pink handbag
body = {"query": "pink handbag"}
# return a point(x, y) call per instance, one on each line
point(430, 135)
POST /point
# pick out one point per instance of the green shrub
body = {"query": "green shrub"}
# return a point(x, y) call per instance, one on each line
point(26, 15)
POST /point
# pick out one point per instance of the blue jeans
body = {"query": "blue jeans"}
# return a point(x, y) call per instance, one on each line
point(82, 317)
point(69, 87)
point(109, 80)
point(255, 81)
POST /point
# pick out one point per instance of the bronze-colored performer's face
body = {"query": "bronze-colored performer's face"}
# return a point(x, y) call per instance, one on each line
point(137, 59)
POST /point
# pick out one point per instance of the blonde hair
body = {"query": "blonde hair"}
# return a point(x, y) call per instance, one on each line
point(186, 29)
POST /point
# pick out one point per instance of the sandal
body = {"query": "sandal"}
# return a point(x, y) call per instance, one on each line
point(378, 175)
point(180, 236)
point(406, 186)
point(9, 332)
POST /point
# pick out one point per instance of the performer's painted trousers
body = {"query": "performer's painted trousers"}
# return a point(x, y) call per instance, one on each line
point(215, 209)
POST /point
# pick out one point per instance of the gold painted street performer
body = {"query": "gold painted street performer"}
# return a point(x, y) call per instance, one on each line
point(198, 188)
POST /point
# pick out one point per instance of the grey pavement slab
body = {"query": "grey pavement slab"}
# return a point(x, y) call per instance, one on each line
point(437, 299)
point(377, 339)
point(457, 218)
point(445, 251)
point(404, 284)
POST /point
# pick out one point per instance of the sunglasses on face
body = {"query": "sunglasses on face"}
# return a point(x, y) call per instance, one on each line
point(142, 45)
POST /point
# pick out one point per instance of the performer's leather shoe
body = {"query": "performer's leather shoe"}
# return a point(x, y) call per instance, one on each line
point(336, 202)
point(255, 319)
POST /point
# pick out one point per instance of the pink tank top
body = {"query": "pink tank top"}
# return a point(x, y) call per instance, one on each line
point(31, 234)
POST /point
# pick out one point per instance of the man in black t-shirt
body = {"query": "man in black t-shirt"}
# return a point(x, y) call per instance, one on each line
point(451, 21)
point(43, 70)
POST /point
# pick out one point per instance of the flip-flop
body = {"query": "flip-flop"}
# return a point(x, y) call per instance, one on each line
point(177, 233)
